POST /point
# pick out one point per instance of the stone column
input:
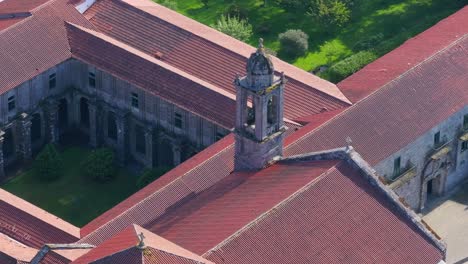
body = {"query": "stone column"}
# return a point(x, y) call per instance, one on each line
point(149, 147)
point(176, 152)
point(121, 135)
point(51, 121)
point(25, 134)
point(92, 124)
point(2, 166)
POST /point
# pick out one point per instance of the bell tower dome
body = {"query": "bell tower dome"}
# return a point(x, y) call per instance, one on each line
point(259, 113)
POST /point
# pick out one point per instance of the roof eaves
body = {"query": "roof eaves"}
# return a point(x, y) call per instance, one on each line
point(116, 43)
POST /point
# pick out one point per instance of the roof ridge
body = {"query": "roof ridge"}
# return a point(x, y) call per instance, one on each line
point(158, 191)
point(379, 90)
point(270, 211)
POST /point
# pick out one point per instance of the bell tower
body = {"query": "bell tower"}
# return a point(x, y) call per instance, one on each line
point(259, 113)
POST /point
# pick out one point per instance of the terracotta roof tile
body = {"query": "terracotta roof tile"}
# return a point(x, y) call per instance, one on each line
point(204, 52)
point(154, 76)
point(36, 44)
point(122, 249)
point(339, 218)
point(398, 113)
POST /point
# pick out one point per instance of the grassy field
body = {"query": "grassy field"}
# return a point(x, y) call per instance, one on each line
point(72, 197)
point(396, 20)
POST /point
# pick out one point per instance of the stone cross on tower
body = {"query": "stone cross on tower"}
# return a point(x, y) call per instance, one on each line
point(259, 113)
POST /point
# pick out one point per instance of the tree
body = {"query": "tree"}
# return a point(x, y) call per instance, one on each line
point(48, 164)
point(294, 42)
point(205, 2)
point(234, 27)
point(99, 165)
point(329, 13)
point(171, 4)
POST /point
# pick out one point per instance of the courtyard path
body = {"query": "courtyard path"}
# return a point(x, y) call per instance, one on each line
point(448, 216)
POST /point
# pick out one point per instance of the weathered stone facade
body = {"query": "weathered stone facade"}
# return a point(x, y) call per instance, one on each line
point(111, 112)
point(431, 165)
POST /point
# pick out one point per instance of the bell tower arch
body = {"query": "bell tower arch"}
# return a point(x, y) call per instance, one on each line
point(259, 113)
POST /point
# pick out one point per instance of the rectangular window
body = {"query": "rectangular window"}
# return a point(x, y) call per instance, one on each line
point(465, 122)
point(178, 120)
point(11, 103)
point(92, 79)
point(397, 166)
point(437, 139)
point(464, 146)
point(52, 81)
point(135, 100)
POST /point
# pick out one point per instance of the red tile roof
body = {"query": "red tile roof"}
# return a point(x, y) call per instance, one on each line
point(36, 44)
point(204, 52)
point(400, 112)
point(194, 175)
point(405, 57)
point(152, 75)
point(19, 6)
point(200, 222)
point(338, 218)
point(122, 249)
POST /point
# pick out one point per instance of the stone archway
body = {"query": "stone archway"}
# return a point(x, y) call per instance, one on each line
point(36, 128)
point(165, 153)
point(8, 144)
point(84, 112)
point(62, 115)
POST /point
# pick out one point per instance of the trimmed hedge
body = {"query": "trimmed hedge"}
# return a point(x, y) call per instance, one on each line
point(48, 164)
point(350, 65)
point(99, 165)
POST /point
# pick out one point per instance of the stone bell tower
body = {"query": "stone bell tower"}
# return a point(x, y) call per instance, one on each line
point(259, 113)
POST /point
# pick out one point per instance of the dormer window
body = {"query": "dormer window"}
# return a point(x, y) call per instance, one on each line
point(437, 139)
point(465, 122)
point(397, 166)
point(11, 103)
point(52, 81)
point(135, 103)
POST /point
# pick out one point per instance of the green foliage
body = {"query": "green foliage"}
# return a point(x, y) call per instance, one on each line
point(329, 13)
point(150, 175)
point(369, 43)
point(48, 164)
point(99, 165)
point(234, 27)
point(294, 42)
point(204, 2)
point(293, 5)
point(235, 10)
point(171, 4)
point(350, 65)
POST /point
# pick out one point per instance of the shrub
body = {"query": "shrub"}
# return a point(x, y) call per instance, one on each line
point(99, 165)
point(150, 175)
point(294, 42)
point(234, 27)
point(235, 10)
point(350, 65)
point(48, 164)
point(171, 4)
point(329, 13)
point(369, 42)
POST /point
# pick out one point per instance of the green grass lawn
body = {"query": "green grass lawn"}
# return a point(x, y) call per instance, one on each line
point(397, 20)
point(72, 197)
